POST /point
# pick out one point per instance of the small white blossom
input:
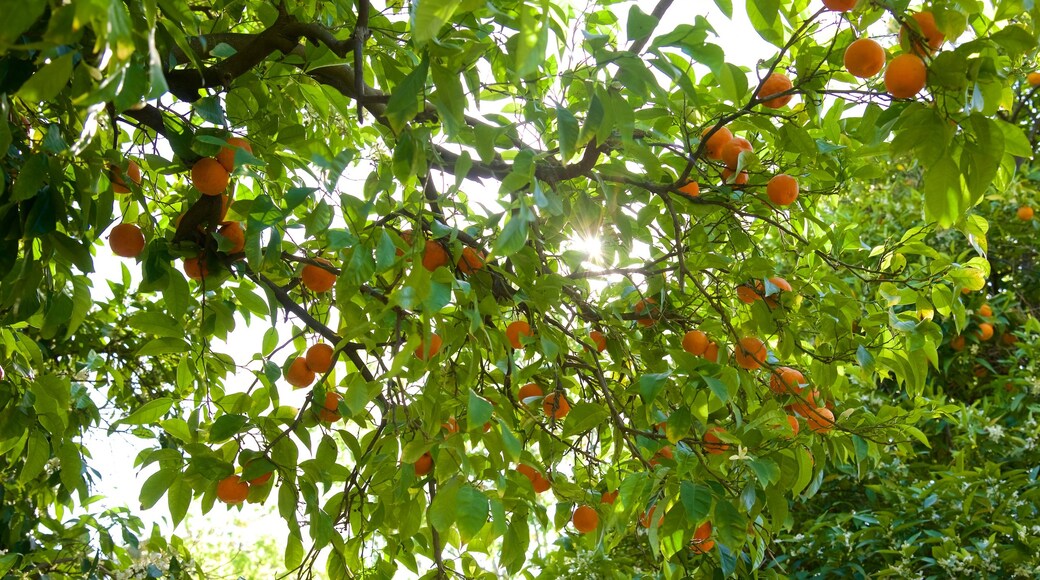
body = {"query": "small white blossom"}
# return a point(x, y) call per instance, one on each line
point(995, 432)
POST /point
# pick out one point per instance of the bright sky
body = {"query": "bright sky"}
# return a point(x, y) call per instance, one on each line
point(121, 482)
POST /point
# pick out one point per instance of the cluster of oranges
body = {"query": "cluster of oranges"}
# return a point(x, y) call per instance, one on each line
point(303, 371)
point(209, 175)
point(721, 145)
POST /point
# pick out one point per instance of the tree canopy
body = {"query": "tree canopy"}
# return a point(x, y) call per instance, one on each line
point(569, 291)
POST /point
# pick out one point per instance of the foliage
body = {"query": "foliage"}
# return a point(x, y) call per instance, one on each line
point(446, 167)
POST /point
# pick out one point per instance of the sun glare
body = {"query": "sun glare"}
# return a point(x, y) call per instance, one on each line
point(590, 245)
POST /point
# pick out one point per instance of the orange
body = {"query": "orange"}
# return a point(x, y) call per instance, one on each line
point(646, 520)
point(299, 374)
point(599, 340)
point(471, 260)
point(985, 311)
point(529, 390)
point(712, 352)
point(985, 331)
point(195, 268)
point(1008, 339)
point(318, 279)
point(820, 420)
point(209, 176)
point(1032, 78)
point(556, 406)
point(731, 151)
point(435, 256)
point(781, 284)
point(319, 357)
point(585, 519)
point(649, 306)
point(750, 353)
point(695, 342)
point(747, 294)
point(716, 142)
point(782, 189)
point(424, 352)
point(957, 343)
point(864, 58)
point(727, 177)
point(329, 411)
point(1025, 213)
point(786, 380)
point(793, 422)
point(515, 330)
point(233, 231)
point(609, 497)
point(712, 443)
point(126, 240)
point(840, 5)
point(700, 542)
point(691, 189)
point(424, 464)
point(774, 84)
point(115, 175)
point(538, 481)
point(225, 205)
point(663, 453)
point(905, 76)
point(261, 479)
point(226, 157)
point(232, 490)
point(930, 38)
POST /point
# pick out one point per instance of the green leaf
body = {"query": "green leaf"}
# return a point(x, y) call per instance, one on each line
point(512, 238)
point(640, 24)
point(166, 345)
point(37, 453)
point(150, 412)
point(765, 17)
point(583, 417)
point(730, 525)
point(226, 426)
point(156, 485)
point(429, 16)
point(650, 385)
point(479, 411)
point(179, 500)
point(444, 509)
point(472, 511)
point(533, 38)
point(408, 98)
point(696, 500)
point(568, 128)
point(49, 80)
point(718, 388)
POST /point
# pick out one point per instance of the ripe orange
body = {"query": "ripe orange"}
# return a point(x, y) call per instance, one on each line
point(732, 149)
point(319, 357)
point(299, 374)
point(329, 411)
point(609, 497)
point(786, 380)
point(1008, 339)
point(985, 331)
point(747, 294)
point(691, 189)
point(905, 76)
point(599, 339)
point(840, 5)
point(424, 352)
point(930, 38)
point(716, 142)
point(318, 279)
point(126, 240)
point(775, 84)
point(424, 464)
point(652, 311)
point(556, 406)
point(864, 58)
point(260, 479)
point(538, 481)
point(712, 352)
point(727, 177)
point(585, 519)
point(232, 490)
point(1025, 213)
point(471, 260)
point(1032, 78)
point(782, 189)
point(226, 157)
point(712, 443)
point(793, 422)
point(695, 342)
point(233, 231)
point(195, 268)
point(701, 543)
point(529, 390)
point(957, 343)
point(515, 330)
point(820, 420)
point(209, 176)
point(451, 425)
point(985, 311)
point(435, 256)
point(115, 175)
point(662, 453)
point(646, 520)
point(750, 353)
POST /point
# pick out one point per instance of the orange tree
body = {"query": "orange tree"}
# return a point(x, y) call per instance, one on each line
point(418, 186)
